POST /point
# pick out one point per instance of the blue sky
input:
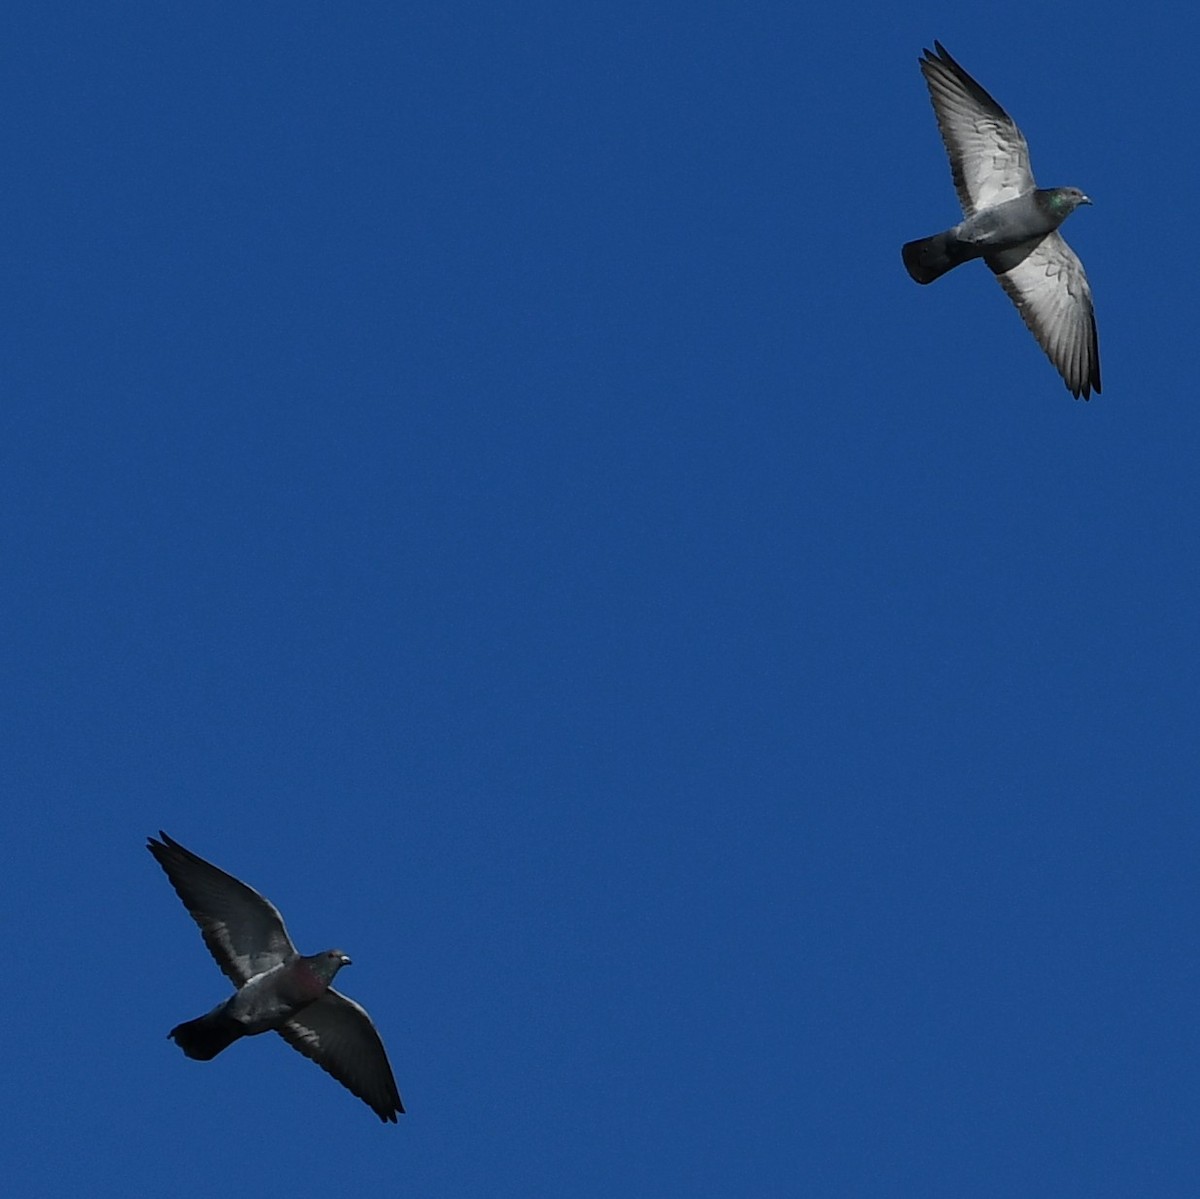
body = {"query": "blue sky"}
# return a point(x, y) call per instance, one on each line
point(482, 475)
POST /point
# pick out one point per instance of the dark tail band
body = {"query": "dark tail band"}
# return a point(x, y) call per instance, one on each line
point(205, 1037)
point(931, 257)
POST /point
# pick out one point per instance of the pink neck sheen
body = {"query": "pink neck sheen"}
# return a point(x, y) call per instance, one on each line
point(309, 980)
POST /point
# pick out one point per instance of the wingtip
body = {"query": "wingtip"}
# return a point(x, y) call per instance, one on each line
point(388, 1114)
point(162, 844)
point(1084, 390)
point(939, 56)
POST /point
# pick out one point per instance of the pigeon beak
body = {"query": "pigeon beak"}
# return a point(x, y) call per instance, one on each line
point(1085, 199)
point(345, 960)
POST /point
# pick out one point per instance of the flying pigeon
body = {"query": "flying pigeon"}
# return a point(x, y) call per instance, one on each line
point(277, 988)
point(1011, 223)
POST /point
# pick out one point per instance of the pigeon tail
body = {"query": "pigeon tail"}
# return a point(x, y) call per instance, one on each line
point(931, 257)
point(203, 1038)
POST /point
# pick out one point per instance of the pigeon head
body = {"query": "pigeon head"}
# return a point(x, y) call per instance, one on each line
point(326, 965)
point(1064, 200)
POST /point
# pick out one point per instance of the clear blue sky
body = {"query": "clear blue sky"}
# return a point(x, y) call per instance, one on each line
point(481, 474)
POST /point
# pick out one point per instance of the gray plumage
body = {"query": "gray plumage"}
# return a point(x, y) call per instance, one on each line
point(1010, 223)
point(278, 989)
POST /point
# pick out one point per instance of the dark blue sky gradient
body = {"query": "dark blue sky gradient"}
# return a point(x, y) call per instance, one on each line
point(482, 475)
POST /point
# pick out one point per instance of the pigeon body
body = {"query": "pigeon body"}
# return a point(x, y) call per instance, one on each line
point(264, 1004)
point(1010, 223)
point(278, 989)
point(1004, 226)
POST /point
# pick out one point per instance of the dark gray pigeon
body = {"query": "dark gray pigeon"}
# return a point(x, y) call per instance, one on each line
point(1011, 223)
point(277, 988)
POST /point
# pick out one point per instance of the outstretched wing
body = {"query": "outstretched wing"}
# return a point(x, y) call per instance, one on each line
point(337, 1034)
point(243, 931)
point(988, 155)
point(1051, 292)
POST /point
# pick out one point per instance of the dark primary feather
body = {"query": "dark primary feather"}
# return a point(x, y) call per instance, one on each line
point(243, 931)
point(337, 1034)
